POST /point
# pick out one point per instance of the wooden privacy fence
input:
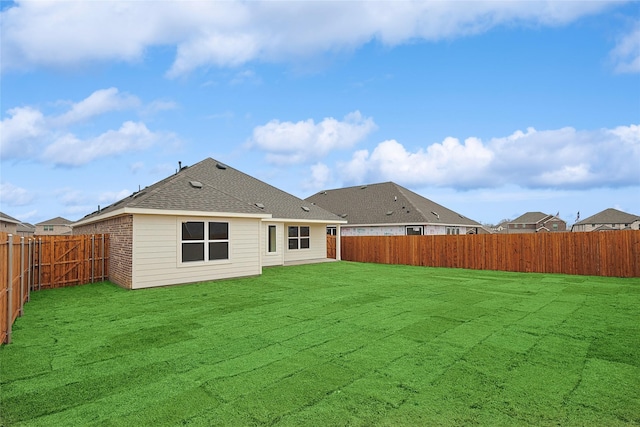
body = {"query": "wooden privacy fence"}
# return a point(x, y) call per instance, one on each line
point(609, 253)
point(331, 246)
point(42, 262)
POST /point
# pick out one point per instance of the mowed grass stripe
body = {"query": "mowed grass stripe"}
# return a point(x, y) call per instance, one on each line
point(331, 344)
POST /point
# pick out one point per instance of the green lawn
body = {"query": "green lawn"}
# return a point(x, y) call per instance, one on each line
point(331, 344)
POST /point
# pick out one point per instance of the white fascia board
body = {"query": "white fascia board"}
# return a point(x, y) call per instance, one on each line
point(305, 221)
point(140, 211)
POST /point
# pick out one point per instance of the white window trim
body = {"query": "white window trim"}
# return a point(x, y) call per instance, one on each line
point(299, 238)
point(206, 261)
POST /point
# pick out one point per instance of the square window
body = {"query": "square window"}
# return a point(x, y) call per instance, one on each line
point(218, 250)
point(193, 231)
point(198, 246)
point(293, 231)
point(304, 243)
point(293, 243)
point(192, 252)
point(218, 231)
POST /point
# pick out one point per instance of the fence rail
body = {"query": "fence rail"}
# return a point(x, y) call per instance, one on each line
point(42, 262)
point(610, 253)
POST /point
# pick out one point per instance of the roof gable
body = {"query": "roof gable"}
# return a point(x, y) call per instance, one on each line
point(386, 203)
point(6, 218)
point(610, 216)
point(56, 221)
point(210, 186)
point(530, 218)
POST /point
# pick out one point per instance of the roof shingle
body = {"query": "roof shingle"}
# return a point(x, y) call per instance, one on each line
point(386, 203)
point(210, 186)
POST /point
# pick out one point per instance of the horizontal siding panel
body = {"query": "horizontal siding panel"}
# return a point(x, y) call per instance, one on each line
point(157, 240)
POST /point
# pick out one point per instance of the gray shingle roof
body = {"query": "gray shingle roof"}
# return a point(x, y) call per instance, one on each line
point(56, 221)
point(386, 203)
point(211, 186)
point(6, 218)
point(530, 218)
point(610, 216)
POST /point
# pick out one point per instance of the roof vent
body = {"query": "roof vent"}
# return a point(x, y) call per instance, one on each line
point(436, 214)
point(306, 209)
point(389, 212)
point(259, 205)
point(195, 184)
point(363, 187)
point(343, 215)
point(221, 166)
point(138, 194)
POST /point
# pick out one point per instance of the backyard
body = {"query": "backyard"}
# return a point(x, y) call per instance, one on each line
point(330, 344)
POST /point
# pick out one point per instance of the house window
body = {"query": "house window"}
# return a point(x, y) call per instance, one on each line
point(555, 227)
point(453, 230)
point(298, 237)
point(414, 230)
point(48, 227)
point(331, 231)
point(272, 238)
point(200, 246)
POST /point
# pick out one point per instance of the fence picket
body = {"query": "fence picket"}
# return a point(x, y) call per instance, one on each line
point(25, 266)
point(610, 253)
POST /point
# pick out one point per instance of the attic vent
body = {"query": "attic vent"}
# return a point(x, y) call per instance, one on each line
point(363, 187)
point(306, 209)
point(139, 194)
point(221, 166)
point(389, 212)
point(260, 205)
point(195, 184)
point(436, 214)
point(343, 215)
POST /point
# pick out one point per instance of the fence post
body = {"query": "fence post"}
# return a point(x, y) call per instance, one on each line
point(40, 263)
point(30, 277)
point(102, 255)
point(10, 288)
point(93, 238)
point(21, 276)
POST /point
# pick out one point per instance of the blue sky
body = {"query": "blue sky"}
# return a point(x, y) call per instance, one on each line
point(492, 109)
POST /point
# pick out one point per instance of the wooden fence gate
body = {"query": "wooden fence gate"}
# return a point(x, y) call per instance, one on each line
point(42, 262)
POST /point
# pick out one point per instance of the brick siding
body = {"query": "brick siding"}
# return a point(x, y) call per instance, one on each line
point(120, 230)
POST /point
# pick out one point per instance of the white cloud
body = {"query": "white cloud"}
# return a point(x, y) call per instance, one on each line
point(72, 151)
point(98, 103)
point(233, 33)
point(320, 176)
point(13, 195)
point(626, 54)
point(288, 142)
point(29, 133)
point(562, 158)
point(20, 131)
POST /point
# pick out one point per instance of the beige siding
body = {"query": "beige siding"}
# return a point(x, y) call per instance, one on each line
point(270, 258)
point(317, 243)
point(156, 257)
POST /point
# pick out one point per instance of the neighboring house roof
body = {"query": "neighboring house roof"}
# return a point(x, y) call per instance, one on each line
point(25, 227)
point(6, 218)
point(610, 216)
point(386, 203)
point(211, 186)
point(56, 221)
point(603, 228)
point(532, 218)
